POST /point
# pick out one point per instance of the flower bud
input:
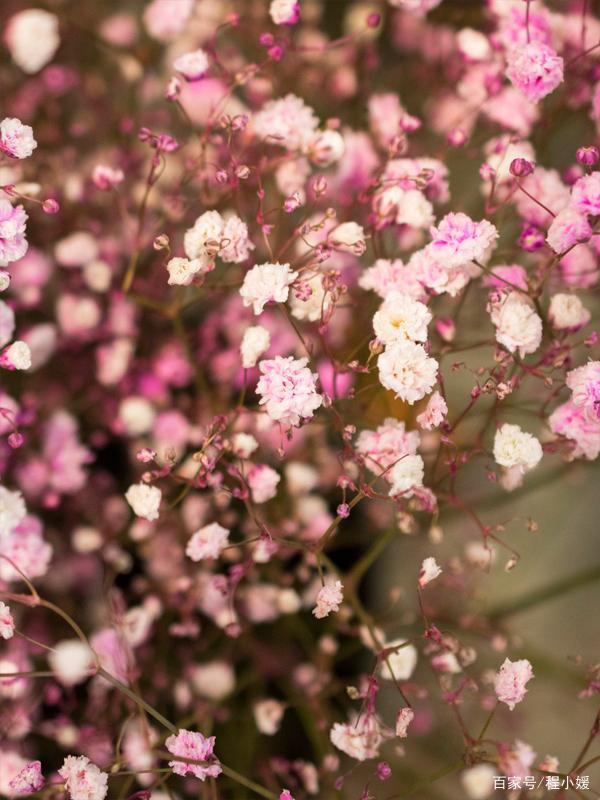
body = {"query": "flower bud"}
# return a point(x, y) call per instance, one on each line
point(588, 155)
point(520, 167)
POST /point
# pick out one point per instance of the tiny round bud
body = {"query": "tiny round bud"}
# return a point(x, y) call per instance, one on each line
point(521, 167)
point(50, 206)
point(15, 440)
point(373, 20)
point(161, 242)
point(456, 138)
point(588, 155)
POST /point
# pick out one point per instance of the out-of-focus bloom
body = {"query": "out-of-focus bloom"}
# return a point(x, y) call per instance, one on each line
point(267, 283)
point(567, 312)
point(263, 481)
point(193, 745)
point(516, 448)
point(84, 780)
point(382, 448)
point(192, 65)
point(406, 476)
point(207, 542)
point(255, 342)
point(287, 122)
point(400, 660)
point(287, 389)
point(349, 237)
point(478, 781)
point(166, 19)
point(13, 244)
point(284, 12)
point(213, 680)
point(509, 683)
point(106, 177)
point(329, 599)
point(71, 661)
point(387, 276)
point(430, 570)
point(406, 369)
point(7, 623)
point(535, 69)
point(16, 356)
point(144, 500)
point(32, 38)
point(568, 228)
point(268, 715)
point(16, 139)
point(325, 148)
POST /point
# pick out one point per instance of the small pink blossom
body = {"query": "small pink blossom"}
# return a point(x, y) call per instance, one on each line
point(535, 69)
point(329, 599)
point(263, 481)
point(458, 240)
point(287, 389)
point(207, 542)
point(284, 12)
point(572, 422)
point(509, 683)
point(29, 779)
point(585, 194)
point(16, 139)
point(568, 228)
point(13, 244)
point(403, 720)
point(430, 570)
point(584, 383)
point(106, 177)
point(434, 413)
point(7, 623)
point(193, 745)
point(84, 780)
point(192, 65)
point(383, 447)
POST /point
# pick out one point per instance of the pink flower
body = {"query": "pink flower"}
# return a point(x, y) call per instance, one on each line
point(166, 19)
point(28, 780)
point(207, 542)
point(284, 12)
point(584, 382)
point(403, 720)
point(84, 781)
point(571, 421)
point(458, 240)
point(193, 745)
point(105, 177)
point(359, 740)
point(585, 194)
point(288, 390)
point(509, 683)
point(192, 65)
point(385, 446)
point(285, 795)
point(434, 413)
point(329, 599)
point(7, 623)
point(535, 69)
point(568, 228)
point(267, 283)
point(287, 122)
point(13, 244)
point(25, 546)
point(430, 570)
point(16, 139)
point(263, 481)
point(235, 243)
point(388, 276)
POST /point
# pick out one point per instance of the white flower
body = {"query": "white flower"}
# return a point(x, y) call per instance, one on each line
point(315, 306)
point(183, 270)
point(348, 237)
point(243, 445)
point(16, 356)
point(268, 715)
point(403, 720)
point(144, 500)
point(400, 663)
point(329, 599)
point(207, 542)
point(401, 318)
point(71, 661)
point(255, 342)
point(567, 312)
point(32, 38)
point(16, 139)
point(406, 475)
point(516, 448)
point(478, 781)
point(326, 147)
point(267, 283)
point(284, 12)
point(137, 415)
point(7, 623)
point(359, 740)
point(430, 570)
point(406, 369)
point(213, 680)
point(192, 65)
point(518, 327)
point(12, 510)
point(203, 240)
point(413, 208)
